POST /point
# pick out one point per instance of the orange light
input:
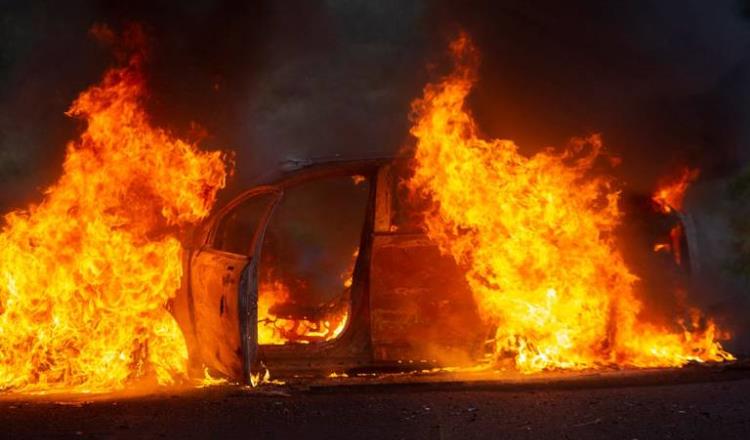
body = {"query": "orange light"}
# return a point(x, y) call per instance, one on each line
point(662, 247)
point(357, 179)
point(274, 330)
point(669, 195)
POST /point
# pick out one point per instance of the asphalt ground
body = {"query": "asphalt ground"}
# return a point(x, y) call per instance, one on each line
point(689, 403)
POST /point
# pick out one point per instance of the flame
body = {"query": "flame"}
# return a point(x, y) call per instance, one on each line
point(357, 179)
point(86, 275)
point(662, 247)
point(669, 196)
point(274, 330)
point(209, 380)
point(537, 238)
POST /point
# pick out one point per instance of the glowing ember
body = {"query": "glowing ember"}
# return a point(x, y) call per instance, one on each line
point(86, 275)
point(670, 195)
point(536, 236)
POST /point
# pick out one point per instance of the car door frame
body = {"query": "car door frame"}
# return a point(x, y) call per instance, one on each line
point(353, 347)
point(246, 287)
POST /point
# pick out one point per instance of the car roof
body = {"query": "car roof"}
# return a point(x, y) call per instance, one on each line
point(292, 171)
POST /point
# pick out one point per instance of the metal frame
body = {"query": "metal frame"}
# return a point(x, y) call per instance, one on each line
point(353, 347)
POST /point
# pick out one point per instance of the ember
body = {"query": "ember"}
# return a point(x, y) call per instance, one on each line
point(536, 236)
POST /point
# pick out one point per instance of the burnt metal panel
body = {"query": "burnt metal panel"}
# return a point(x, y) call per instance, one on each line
point(421, 306)
point(248, 298)
point(215, 279)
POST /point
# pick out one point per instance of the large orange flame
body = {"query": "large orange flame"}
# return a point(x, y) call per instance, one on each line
point(537, 236)
point(86, 275)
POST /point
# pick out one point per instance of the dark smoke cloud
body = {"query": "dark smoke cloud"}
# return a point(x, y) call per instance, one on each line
point(666, 83)
point(662, 81)
point(43, 64)
point(649, 76)
point(341, 86)
point(265, 79)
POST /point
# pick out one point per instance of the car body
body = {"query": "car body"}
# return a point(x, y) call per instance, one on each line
point(409, 306)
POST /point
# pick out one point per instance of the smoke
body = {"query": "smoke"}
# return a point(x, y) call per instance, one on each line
point(649, 76)
point(267, 80)
point(662, 81)
point(39, 77)
point(666, 83)
point(343, 88)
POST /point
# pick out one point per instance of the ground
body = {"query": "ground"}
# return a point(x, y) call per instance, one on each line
point(681, 404)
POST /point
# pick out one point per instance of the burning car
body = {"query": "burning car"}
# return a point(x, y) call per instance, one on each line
point(467, 252)
point(326, 267)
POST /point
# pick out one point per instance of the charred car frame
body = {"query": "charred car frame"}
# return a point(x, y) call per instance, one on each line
point(409, 307)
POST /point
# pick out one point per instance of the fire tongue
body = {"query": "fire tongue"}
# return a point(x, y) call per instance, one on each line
point(537, 237)
point(669, 195)
point(85, 275)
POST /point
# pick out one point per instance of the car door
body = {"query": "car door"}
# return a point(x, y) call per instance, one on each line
point(223, 290)
point(312, 278)
point(421, 308)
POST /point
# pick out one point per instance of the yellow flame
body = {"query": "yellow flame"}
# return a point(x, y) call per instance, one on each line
point(86, 275)
point(536, 236)
point(209, 380)
point(670, 194)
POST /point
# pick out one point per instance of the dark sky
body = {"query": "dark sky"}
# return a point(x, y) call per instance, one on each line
point(657, 79)
point(664, 82)
point(266, 79)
